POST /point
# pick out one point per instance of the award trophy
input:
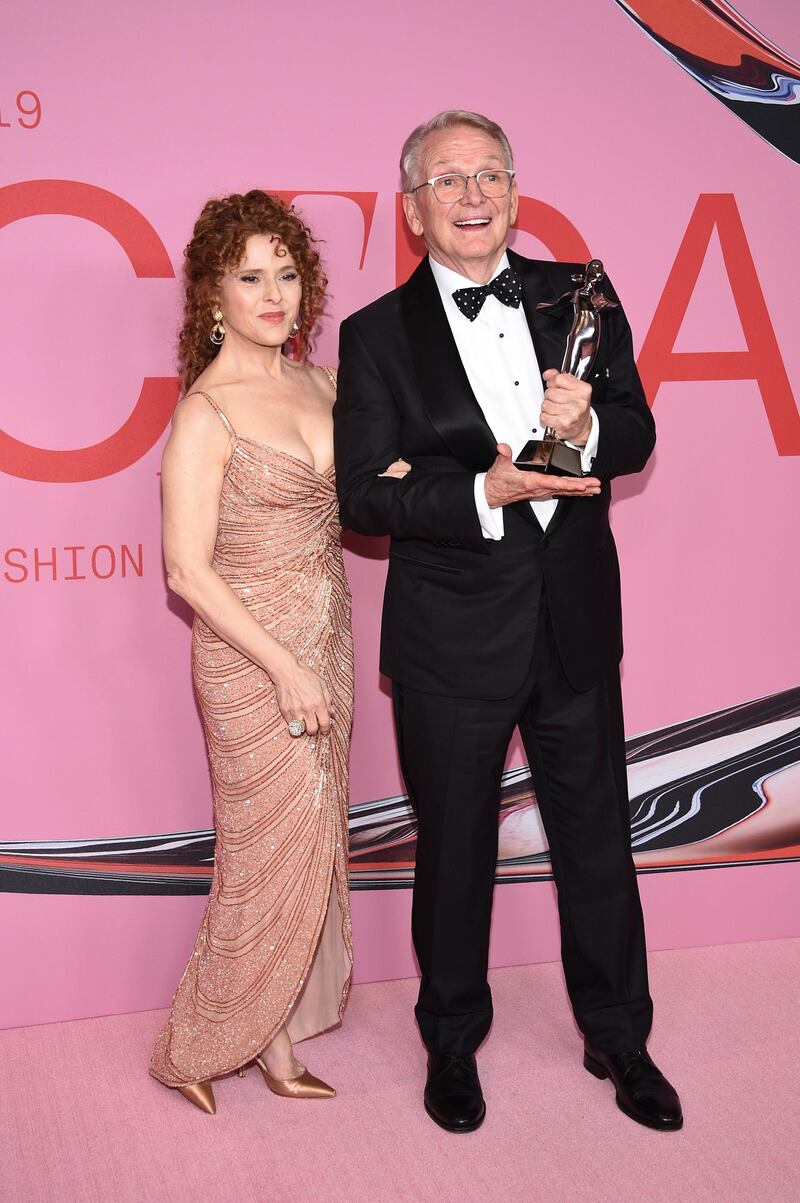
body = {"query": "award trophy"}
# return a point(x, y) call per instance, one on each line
point(549, 453)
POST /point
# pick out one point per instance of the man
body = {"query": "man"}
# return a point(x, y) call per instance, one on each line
point(502, 605)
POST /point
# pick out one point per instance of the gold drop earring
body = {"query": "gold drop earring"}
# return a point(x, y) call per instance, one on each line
point(217, 334)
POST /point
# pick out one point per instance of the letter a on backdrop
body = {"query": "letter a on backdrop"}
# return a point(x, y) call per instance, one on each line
point(761, 361)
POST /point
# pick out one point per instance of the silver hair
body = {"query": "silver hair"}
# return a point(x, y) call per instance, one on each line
point(410, 165)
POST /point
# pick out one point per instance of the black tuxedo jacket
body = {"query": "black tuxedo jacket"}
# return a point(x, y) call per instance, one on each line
point(460, 611)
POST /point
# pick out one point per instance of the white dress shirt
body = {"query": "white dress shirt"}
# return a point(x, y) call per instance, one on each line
point(498, 356)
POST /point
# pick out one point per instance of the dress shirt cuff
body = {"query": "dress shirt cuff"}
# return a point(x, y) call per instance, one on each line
point(491, 520)
point(589, 451)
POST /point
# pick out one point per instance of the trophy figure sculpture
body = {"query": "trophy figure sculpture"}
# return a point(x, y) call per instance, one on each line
point(549, 453)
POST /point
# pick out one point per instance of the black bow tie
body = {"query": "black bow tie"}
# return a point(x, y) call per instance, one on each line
point(507, 287)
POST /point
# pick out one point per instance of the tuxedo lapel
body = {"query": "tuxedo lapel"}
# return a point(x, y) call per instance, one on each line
point(548, 330)
point(446, 392)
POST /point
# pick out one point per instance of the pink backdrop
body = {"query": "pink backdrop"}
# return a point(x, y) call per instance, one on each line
point(163, 106)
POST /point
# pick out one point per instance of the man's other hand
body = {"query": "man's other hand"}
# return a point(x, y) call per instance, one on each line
point(566, 406)
point(504, 483)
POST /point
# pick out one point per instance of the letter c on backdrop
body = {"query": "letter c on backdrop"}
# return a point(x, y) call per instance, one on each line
point(159, 394)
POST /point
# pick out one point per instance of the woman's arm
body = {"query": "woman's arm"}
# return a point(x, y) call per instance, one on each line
point(192, 473)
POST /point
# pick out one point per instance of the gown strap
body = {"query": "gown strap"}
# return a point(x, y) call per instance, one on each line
point(225, 422)
point(329, 372)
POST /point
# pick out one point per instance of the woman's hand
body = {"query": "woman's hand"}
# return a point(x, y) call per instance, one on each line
point(303, 695)
point(397, 470)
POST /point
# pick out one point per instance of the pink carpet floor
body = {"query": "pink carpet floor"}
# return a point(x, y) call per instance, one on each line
point(81, 1122)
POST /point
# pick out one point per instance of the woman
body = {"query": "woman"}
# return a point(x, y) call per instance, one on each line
point(251, 541)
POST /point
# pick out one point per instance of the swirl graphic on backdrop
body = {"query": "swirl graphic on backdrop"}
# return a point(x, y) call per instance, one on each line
point(722, 789)
point(732, 60)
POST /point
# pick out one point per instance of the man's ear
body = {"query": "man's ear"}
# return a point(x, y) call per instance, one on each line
point(411, 212)
point(514, 201)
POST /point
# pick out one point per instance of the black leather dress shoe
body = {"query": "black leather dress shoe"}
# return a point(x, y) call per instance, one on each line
point(453, 1095)
point(643, 1092)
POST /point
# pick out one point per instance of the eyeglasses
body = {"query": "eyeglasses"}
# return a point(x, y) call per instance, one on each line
point(492, 182)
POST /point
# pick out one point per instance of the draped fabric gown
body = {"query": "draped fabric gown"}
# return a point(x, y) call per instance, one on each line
point(275, 943)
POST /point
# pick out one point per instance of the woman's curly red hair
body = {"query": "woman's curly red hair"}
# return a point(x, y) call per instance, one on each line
point(218, 242)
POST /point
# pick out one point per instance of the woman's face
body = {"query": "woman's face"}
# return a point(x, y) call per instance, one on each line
point(260, 299)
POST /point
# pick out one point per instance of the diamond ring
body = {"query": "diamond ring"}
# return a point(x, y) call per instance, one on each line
point(297, 726)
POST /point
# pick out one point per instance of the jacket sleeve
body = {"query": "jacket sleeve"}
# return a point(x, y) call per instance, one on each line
point(426, 504)
point(627, 428)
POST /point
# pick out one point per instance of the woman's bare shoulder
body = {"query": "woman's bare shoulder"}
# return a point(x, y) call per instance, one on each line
point(326, 377)
point(199, 413)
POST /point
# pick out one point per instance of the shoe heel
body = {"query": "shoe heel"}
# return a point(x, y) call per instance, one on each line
point(306, 1086)
point(594, 1067)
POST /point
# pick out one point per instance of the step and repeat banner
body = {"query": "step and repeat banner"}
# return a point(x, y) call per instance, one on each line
point(661, 136)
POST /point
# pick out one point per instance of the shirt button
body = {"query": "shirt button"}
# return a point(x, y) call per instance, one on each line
point(502, 336)
point(516, 382)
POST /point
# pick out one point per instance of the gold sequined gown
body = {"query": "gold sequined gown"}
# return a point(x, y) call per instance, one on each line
point(275, 943)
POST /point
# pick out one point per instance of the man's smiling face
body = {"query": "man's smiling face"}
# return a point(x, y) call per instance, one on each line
point(467, 235)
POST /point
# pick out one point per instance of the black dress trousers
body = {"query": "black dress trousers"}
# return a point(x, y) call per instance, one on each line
point(452, 753)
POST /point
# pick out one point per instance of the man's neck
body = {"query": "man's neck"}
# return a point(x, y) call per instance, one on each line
point(479, 271)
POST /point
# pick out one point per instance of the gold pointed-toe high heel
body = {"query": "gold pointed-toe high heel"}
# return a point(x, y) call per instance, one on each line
point(304, 1086)
point(202, 1095)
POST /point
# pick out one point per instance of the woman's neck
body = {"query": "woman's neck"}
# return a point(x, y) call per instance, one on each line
point(243, 361)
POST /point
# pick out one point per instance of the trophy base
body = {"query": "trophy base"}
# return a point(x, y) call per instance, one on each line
point(549, 455)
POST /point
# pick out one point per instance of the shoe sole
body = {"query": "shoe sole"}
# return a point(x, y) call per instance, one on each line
point(476, 1123)
point(598, 1071)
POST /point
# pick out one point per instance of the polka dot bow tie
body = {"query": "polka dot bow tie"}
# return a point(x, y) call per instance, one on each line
point(507, 287)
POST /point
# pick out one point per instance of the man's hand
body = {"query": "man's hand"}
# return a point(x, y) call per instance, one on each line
point(566, 406)
point(504, 483)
